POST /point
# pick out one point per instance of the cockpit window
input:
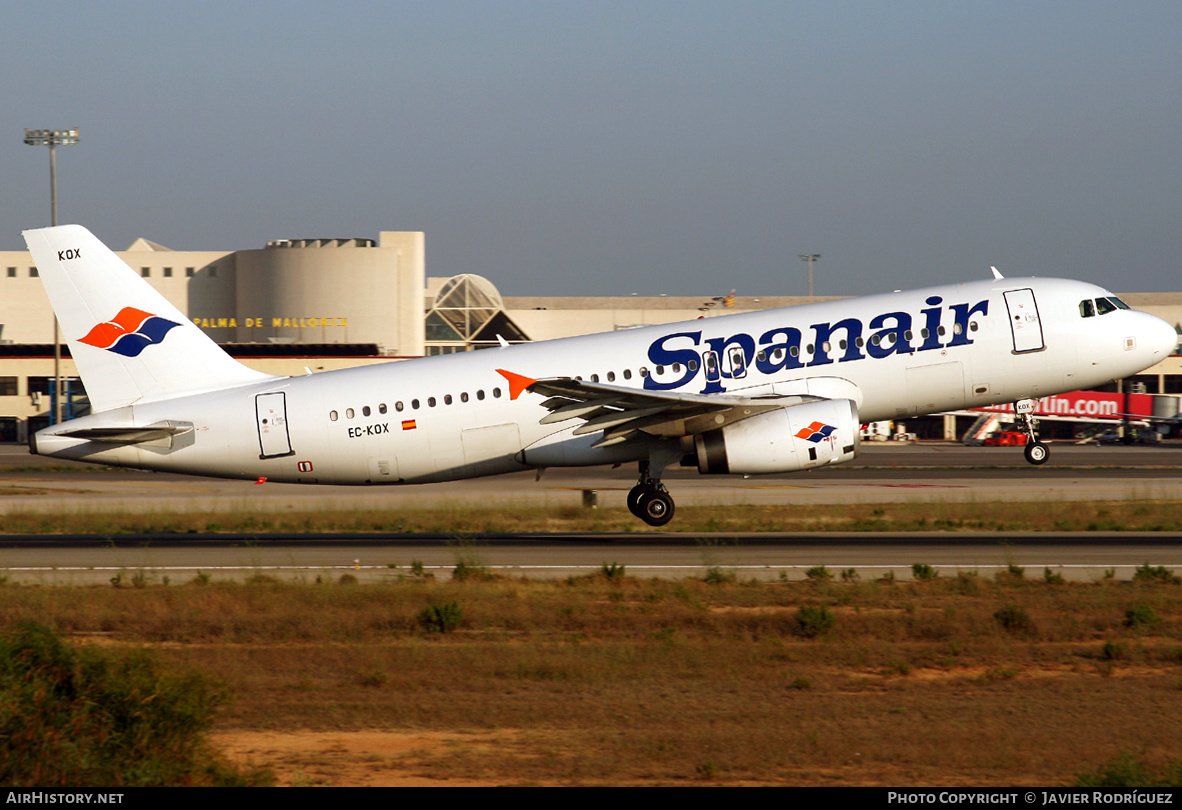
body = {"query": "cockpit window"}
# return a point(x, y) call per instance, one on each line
point(1119, 303)
point(1086, 308)
point(1104, 306)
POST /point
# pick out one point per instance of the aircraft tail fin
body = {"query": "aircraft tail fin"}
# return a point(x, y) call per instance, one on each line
point(129, 343)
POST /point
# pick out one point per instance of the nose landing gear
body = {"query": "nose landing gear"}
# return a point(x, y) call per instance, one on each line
point(1036, 452)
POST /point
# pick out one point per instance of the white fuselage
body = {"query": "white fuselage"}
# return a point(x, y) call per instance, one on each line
point(455, 416)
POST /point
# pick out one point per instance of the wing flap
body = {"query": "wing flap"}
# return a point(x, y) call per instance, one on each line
point(624, 413)
point(570, 409)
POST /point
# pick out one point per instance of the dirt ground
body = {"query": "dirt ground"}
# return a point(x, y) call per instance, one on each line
point(350, 758)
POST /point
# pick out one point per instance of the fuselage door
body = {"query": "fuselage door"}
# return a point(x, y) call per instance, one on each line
point(271, 414)
point(1024, 321)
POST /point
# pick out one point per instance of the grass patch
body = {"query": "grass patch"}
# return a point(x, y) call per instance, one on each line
point(88, 718)
point(441, 618)
point(1129, 770)
point(1014, 619)
point(630, 681)
point(460, 521)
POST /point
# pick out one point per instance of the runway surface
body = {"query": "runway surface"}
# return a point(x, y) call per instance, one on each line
point(884, 473)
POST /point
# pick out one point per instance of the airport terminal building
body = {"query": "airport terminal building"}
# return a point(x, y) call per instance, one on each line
point(296, 305)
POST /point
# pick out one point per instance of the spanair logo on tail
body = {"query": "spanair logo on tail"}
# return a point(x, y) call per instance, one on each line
point(129, 332)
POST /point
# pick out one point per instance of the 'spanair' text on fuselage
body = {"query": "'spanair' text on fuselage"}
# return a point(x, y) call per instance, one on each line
point(781, 348)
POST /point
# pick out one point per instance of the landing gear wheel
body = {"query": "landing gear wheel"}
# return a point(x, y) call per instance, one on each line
point(1037, 453)
point(655, 508)
point(634, 496)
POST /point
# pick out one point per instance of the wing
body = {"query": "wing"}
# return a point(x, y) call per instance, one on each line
point(621, 413)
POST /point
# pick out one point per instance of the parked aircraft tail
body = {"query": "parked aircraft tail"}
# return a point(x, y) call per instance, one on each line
point(129, 343)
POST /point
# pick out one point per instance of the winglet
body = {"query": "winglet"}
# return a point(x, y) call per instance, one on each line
point(996, 274)
point(517, 383)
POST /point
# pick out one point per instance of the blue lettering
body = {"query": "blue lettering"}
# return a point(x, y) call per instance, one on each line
point(960, 327)
point(658, 354)
point(853, 334)
point(779, 349)
point(776, 356)
point(932, 324)
point(889, 341)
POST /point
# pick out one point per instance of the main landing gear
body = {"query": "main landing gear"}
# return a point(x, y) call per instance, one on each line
point(649, 500)
point(1036, 452)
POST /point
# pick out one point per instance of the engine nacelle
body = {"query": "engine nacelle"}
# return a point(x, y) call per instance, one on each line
point(798, 437)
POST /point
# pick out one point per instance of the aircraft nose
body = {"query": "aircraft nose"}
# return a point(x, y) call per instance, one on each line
point(1161, 337)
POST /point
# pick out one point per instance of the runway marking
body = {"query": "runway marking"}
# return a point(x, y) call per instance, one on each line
point(778, 486)
point(921, 486)
point(57, 485)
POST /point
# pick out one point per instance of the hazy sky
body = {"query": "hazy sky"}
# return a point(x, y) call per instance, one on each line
point(609, 148)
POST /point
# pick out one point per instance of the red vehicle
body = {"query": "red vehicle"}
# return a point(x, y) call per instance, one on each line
point(1005, 438)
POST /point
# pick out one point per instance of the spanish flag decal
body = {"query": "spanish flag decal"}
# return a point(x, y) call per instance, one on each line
point(408, 424)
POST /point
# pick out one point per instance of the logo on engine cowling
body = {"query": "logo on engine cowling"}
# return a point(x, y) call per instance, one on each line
point(816, 432)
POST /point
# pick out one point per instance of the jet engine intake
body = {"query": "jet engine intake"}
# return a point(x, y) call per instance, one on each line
point(811, 434)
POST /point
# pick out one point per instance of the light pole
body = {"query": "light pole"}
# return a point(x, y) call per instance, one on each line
point(810, 258)
point(54, 138)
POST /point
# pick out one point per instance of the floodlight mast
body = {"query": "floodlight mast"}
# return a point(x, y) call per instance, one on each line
point(810, 258)
point(53, 138)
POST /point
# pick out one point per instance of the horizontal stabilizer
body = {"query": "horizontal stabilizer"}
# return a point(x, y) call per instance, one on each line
point(130, 435)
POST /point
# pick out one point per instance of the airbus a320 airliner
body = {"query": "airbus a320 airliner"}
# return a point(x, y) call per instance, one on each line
point(760, 392)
